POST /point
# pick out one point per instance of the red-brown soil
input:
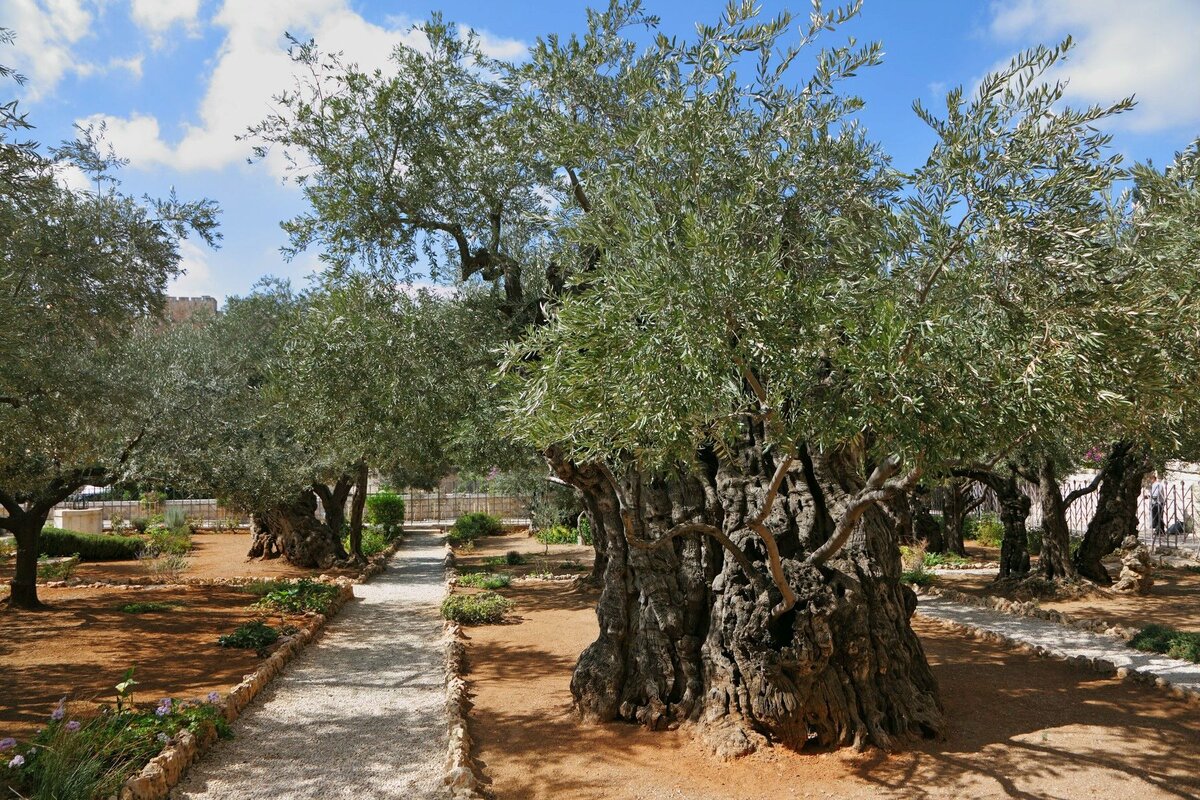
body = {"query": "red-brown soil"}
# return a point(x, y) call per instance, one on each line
point(1173, 600)
point(1020, 727)
point(561, 559)
point(82, 644)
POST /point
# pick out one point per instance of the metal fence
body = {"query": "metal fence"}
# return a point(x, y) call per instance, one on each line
point(420, 506)
point(1179, 504)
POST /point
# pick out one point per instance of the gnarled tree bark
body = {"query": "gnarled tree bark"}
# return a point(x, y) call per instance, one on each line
point(293, 531)
point(1124, 469)
point(1014, 512)
point(689, 634)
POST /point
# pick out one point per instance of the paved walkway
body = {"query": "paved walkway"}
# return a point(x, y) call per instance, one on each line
point(1062, 640)
point(358, 714)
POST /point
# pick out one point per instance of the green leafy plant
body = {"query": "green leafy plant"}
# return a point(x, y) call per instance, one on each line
point(944, 559)
point(92, 756)
point(470, 527)
point(58, 568)
point(374, 540)
point(8, 549)
point(482, 580)
point(1184, 645)
point(303, 595)
point(485, 608)
point(386, 509)
point(149, 606)
point(89, 546)
point(168, 565)
point(257, 636)
point(987, 530)
point(162, 540)
point(559, 534)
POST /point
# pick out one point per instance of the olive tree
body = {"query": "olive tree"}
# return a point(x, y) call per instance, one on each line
point(82, 279)
point(737, 331)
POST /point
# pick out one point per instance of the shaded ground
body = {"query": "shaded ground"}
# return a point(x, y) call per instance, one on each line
point(1020, 727)
point(1173, 600)
point(83, 645)
point(556, 558)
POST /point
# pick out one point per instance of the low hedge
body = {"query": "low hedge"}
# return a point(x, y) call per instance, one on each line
point(470, 527)
point(89, 546)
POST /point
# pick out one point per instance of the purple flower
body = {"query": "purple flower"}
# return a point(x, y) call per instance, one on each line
point(7, 743)
point(17, 761)
point(60, 711)
point(163, 738)
point(214, 697)
point(164, 707)
point(73, 726)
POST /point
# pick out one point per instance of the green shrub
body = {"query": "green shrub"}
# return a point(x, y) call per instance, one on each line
point(585, 530)
point(8, 548)
point(168, 565)
point(475, 609)
point(175, 519)
point(91, 757)
point(140, 524)
point(559, 534)
point(943, 559)
point(572, 566)
point(149, 606)
point(1183, 645)
point(918, 576)
point(470, 527)
point(59, 569)
point(1033, 541)
point(257, 636)
point(985, 530)
point(482, 580)
point(161, 540)
point(386, 509)
point(89, 546)
point(303, 595)
point(373, 541)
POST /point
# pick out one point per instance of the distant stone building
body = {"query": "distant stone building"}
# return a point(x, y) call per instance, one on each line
point(182, 309)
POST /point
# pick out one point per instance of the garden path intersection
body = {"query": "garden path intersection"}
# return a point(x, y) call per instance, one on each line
point(1062, 641)
point(358, 714)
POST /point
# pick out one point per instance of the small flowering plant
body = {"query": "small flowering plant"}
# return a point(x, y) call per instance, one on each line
point(92, 756)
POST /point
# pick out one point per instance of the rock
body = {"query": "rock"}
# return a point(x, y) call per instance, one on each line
point(1137, 569)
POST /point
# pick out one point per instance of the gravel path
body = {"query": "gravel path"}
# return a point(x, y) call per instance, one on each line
point(358, 714)
point(1062, 640)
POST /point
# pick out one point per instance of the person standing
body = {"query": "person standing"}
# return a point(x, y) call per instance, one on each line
point(1158, 502)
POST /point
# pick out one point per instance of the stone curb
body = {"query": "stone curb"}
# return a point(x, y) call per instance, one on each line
point(167, 769)
point(462, 778)
point(1100, 665)
point(1031, 610)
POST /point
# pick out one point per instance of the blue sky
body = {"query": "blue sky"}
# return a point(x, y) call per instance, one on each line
point(175, 80)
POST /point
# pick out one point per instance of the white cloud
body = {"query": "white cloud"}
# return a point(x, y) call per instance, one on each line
point(251, 67)
point(46, 33)
point(155, 17)
point(1146, 49)
point(197, 279)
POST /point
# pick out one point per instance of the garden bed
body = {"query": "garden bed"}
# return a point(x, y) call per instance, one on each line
point(1019, 726)
point(490, 552)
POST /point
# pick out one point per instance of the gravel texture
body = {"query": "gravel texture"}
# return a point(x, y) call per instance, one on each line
point(359, 714)
point(1063, 641)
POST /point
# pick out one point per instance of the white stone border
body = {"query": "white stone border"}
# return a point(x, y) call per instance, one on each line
point(1031, 609)
point(463, 778)
point(166, 770)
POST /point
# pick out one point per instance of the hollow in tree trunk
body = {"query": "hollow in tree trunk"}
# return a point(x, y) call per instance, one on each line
point(687, 635)
point(293, 531)
point(1055, 559)
point(1124, 469)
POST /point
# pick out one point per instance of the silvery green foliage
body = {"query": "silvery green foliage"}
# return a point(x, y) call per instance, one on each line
point(759, 259)
point(82, 279)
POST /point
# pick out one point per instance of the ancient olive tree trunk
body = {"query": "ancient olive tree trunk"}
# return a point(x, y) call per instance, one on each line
point(1123, 471)
point(358, 503)
point(957, 504)
point(1055, 559)
point(26, 528)
point(333, 501)
point(1014, 511)
point(293, 531)
point(687, 633)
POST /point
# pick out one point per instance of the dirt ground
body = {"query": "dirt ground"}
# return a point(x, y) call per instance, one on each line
point(213, 555)
point(1173, 600)
point(562, 559)
point(1021, 727)
point(83, 644)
